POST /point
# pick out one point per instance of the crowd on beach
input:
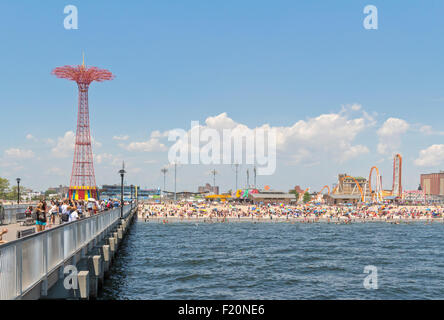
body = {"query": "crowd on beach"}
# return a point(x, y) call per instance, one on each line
point(300, 212)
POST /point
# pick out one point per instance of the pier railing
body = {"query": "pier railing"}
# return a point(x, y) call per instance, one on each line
point(12, 213)
point(26, 262)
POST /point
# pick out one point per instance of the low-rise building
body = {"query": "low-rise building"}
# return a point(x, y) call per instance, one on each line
point(433, 183)
point(271, 196)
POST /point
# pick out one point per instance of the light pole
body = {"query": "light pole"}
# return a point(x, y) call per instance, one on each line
point(248, 179)
point(175, 169)
point(122, 173)
point(18, 190)
point(132, 196)
point(214, 172)
point(164, 171)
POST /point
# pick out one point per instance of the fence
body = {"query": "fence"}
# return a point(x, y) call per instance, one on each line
point(12, 213)
point(25, 262)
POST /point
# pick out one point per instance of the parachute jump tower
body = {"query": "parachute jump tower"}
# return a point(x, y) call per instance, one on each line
point(83, 181)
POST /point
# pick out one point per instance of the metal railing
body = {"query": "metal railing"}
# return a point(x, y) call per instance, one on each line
point(12, 213)
point(27, 261)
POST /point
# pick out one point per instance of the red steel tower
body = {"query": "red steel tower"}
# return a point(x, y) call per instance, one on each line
point(83, 181)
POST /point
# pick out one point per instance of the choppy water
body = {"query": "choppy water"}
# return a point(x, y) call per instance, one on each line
point(278, 261)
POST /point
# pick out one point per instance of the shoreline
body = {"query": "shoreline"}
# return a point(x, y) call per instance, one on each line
point(341, 220)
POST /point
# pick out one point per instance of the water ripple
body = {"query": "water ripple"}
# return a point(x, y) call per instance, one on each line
point(277, 261)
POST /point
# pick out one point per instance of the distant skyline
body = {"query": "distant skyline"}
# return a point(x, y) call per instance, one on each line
point(342, 98)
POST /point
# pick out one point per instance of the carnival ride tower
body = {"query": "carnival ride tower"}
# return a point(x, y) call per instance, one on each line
point(397, 176)
point(83, 182)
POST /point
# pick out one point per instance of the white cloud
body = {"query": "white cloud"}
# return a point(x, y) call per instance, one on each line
point(329, 135)
point(356, 107)
point(121, 138)
point(56, 172)
point(65, 145)
point(19, 153)
point(99, 158)
point(390, 135)
point(30, 137)
point(432, 156)
point(157, 134)
point(152, 145)
point(428, 130)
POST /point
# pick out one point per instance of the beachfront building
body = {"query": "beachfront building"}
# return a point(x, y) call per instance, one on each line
point(113, 191)
point(208, 189)
point(433, 183)
point(60, 191)
point(335, 199)
point(271, 196)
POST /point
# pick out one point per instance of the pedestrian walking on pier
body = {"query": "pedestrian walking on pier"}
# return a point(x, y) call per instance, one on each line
point(40, 218)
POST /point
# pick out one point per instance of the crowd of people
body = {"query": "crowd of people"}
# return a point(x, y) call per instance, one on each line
point(301, 212)
point(45, 214)
point(67, 210)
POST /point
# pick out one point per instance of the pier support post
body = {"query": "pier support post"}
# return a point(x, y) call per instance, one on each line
point(106, 258)
point(95, 269)
point(83, 282)
point(116, 239)
point(112, 246)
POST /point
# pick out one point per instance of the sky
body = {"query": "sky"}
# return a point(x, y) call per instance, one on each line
point(342, 98)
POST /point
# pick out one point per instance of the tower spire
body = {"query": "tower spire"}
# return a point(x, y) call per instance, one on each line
point(83, 59)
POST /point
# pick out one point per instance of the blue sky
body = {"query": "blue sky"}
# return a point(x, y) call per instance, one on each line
point(260, 62)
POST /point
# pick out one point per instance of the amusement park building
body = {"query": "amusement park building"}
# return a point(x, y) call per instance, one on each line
point(208, 188)
point(433, 183)
point(266, 197)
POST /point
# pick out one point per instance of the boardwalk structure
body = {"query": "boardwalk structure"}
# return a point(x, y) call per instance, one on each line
point(36, 267)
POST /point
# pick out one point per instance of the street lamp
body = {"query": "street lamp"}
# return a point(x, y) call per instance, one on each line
point(164, 171)
point(122, 173)
point(18, 190)
point(132, 186)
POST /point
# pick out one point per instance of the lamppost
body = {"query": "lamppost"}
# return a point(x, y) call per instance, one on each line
point(18, 190)
point(164, 171)
point(132, 186)
point(122, 173)
point(175, 196)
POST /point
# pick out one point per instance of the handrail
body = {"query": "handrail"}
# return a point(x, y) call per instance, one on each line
point(27, 261)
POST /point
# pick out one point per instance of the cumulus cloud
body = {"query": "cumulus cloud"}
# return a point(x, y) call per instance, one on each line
point(432, 156)
point(328, 135)
point(428, 130)
point(151, 145)
point(101, 157)
point(390, 135)
point(121, 138)
point(64, 147)
point(30, 137)
point(56, 172)
point(17, 153)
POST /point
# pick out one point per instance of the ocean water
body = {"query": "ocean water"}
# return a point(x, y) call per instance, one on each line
point(278, 261)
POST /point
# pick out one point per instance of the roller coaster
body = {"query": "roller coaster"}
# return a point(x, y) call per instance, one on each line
point(377, 194)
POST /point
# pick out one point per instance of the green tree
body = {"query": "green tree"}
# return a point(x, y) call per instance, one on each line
point(293, 191)
point(48, 192)
point(307, 197)
point(4, 187)
point(12, 194)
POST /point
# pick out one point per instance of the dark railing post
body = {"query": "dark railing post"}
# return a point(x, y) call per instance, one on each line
point(122, 173)
point(18, 190)
point(131, 199)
